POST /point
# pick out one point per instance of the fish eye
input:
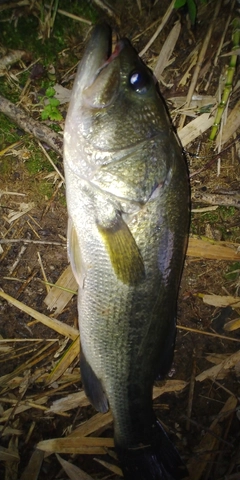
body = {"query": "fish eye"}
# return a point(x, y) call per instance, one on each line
point(140, 81)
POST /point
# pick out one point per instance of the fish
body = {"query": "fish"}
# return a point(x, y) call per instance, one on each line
point(127, 191)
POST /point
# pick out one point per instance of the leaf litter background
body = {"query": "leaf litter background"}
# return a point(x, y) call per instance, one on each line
point(47, 426)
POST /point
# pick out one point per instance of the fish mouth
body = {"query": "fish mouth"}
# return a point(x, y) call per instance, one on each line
point(104, 46)
point(107, 42)
point(115, 51)
point(101, 42)
point(100, 68)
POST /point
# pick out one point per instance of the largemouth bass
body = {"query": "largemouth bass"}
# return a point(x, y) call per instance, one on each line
point(128, 205)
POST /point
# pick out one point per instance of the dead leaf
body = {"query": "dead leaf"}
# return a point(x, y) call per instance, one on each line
point(221, 300)
point(7, 454)
point(74, 472)
point(195, 128)
point(23, 209)
point(11, 466)
point(33, 467)
point(110, 466)
point(193, 57)
point(56, 325)
point(232, 325)
point(222, 368)
point(74, 400)
point(197, 102)
point(215, 250)
point(77, 445)
point(208, 446)
point(230, 127)
point(62, 94)
point(65, 361)
point(58, 298)
point(167, 49)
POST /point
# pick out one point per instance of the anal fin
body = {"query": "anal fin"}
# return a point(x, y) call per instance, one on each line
point(92, 386)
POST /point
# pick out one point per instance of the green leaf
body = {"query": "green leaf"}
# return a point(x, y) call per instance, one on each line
point(179, 3)
point(45, 114)
point(50, 92)
point(55, 115)
point(192, 10)
point(54, 102)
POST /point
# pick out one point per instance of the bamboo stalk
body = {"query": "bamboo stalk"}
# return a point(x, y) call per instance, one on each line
point(229, 80)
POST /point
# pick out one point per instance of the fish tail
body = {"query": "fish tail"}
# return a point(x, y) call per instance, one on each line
point(157, 461)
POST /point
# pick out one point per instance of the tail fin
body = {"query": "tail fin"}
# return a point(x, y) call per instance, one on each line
point(157, 461)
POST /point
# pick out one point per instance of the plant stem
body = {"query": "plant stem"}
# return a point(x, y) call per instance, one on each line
point(229, 80)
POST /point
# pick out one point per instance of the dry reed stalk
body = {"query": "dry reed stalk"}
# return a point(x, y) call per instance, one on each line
point(159, 29)
point(200, 61)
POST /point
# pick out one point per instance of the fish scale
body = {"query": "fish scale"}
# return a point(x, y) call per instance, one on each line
point(128, 204)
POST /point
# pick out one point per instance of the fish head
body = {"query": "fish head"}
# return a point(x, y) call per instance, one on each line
point(115, 103)
point(122, 78)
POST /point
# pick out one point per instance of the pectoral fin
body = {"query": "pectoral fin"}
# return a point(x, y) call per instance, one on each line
point(74, 254)
point(92, 386)
point(123, 251)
